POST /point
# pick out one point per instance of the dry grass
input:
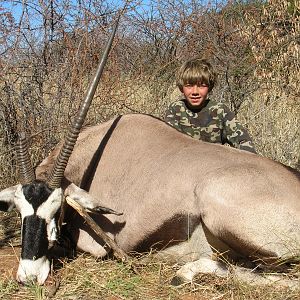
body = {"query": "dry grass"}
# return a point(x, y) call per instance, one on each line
point(88, 278)
point(274, 124)
point(10, 228)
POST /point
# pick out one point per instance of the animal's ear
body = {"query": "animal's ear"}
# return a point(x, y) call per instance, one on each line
point(87, 201)
point(7, 198)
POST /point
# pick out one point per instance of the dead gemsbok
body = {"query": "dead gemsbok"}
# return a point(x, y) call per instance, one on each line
point(191, 200)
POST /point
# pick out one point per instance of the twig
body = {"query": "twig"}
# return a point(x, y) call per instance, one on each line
point(117, 251)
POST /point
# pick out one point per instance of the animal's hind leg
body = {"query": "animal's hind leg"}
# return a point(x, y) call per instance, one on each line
point(203, 265)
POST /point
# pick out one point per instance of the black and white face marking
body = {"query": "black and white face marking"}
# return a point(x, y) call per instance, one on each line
point(38, 205)
point(7, 197)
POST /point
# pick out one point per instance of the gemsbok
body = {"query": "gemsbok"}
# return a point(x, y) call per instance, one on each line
point(196, 203)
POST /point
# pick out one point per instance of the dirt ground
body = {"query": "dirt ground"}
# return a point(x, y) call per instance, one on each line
point(9, 257)
point(10, 244)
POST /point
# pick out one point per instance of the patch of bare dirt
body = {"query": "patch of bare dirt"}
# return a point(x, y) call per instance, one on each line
point(9, 258)
point(9, 244)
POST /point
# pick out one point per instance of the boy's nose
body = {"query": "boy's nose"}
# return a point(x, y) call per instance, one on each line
point(195, 89)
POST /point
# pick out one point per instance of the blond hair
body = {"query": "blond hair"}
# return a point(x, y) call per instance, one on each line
point(196, 71)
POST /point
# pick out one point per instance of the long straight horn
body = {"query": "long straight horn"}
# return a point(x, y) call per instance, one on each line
point(26, 172)
point(66, 151)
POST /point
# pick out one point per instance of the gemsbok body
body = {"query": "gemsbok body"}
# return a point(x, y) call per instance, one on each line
point(195, 202)
point(192, 200)
point(189, 198)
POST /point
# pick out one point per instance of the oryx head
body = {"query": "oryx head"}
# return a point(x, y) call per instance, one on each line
point(39, 202)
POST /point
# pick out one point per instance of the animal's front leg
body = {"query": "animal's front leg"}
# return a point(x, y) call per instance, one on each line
point(87, 201)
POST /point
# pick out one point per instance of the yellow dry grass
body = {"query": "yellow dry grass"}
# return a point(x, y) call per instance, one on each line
point(88, 278)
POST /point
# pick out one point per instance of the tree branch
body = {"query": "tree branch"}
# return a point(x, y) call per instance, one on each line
point(117, 251)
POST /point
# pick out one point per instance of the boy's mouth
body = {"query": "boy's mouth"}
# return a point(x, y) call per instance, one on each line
point(195, 100)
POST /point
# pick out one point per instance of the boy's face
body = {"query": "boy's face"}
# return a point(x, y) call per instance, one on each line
point(195, 94)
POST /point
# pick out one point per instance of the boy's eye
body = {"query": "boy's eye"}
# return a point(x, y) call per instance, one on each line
point(198, 85)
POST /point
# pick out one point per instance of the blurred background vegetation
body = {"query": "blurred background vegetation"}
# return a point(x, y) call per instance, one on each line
point(50, 48)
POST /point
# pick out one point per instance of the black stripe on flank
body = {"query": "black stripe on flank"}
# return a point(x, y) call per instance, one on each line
point(90, 172)
point(36, 193)
point(34, 238)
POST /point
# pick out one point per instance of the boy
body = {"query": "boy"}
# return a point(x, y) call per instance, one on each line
point(198, 116)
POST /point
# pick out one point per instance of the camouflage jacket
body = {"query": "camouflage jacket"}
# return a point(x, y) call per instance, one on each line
point(213, 123)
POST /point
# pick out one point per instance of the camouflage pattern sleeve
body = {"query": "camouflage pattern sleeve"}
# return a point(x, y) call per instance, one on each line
point(173, 118)
point(234, 133)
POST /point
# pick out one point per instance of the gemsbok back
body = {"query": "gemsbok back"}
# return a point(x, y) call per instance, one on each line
point(196, 203)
